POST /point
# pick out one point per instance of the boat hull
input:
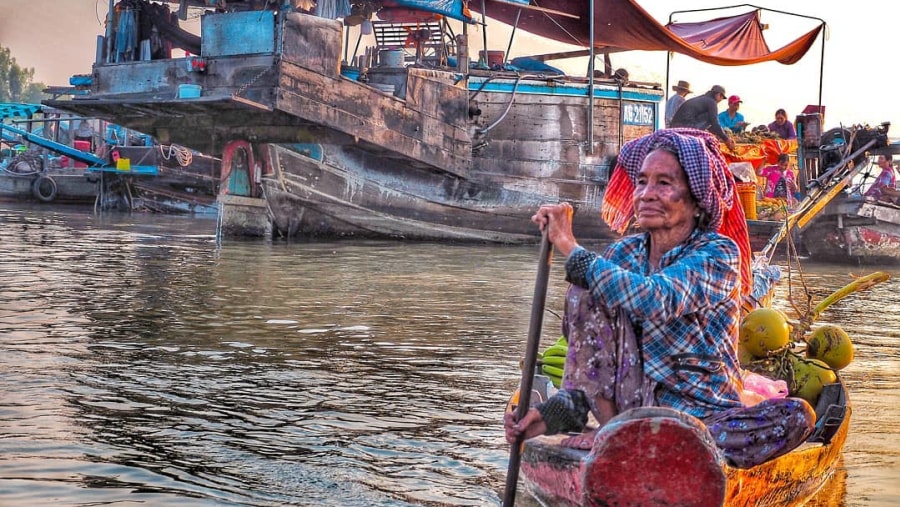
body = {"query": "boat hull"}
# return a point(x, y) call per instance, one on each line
point(68, 187)
point(343, 198)
point(658, 456)
point(855, 231)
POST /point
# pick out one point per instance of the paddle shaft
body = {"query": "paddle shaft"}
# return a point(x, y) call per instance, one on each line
point(531, 349)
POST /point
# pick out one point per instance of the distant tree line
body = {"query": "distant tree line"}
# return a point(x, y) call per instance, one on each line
point(16, 83)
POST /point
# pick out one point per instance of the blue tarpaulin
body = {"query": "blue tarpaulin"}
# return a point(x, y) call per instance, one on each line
point(450, 8)
point(17, 110)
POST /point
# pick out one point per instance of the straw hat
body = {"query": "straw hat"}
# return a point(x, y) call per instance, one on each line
point(682, 86)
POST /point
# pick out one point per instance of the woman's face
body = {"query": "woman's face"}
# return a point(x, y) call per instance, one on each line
point(662, 194)
point(780, 119)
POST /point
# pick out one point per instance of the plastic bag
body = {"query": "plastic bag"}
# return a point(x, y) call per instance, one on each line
point(759, 388)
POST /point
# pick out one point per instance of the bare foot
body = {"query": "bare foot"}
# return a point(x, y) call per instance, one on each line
point(580, 441)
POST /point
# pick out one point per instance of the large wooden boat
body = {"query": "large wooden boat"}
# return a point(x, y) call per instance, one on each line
point(406, 139)
point(657, 456)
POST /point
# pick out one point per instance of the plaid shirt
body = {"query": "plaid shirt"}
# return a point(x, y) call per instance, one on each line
point(686, 314)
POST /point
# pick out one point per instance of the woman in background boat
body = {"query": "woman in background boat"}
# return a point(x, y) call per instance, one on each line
point(782, 126)
point(653, 320)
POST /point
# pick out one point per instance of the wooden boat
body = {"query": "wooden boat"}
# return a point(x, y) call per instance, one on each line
point(658, 456)
point(401, 141)
point(834, 221)
point(855, 230)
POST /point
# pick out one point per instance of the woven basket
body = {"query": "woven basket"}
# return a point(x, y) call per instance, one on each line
point(747, 194)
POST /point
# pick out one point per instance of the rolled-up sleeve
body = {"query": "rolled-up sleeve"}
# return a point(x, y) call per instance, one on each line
point(578, 264)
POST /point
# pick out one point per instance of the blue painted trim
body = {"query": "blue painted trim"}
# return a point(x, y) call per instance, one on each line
point(311, 150)
point(565, 89)
point(140, 170)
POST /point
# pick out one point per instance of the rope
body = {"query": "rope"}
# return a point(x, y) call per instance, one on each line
point(182, 155)
point(15, 173)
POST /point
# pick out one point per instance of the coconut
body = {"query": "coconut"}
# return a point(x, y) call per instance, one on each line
point(830, 344)
point(764, 331)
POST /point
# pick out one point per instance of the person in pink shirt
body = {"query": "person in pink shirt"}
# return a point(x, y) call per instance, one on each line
point(781, 183)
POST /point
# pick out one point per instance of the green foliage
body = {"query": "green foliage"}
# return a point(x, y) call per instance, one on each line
point(16, 82)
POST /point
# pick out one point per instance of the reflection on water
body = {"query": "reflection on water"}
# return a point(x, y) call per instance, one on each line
point(141, 362)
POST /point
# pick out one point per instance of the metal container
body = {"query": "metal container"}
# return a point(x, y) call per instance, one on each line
point(391, 57)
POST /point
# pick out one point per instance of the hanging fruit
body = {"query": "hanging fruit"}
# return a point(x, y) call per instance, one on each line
point(764, 331)
point(810, 377)
point(831, 345)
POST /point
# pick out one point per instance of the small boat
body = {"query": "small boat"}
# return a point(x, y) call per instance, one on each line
point(659, 456)
point(854, 228)
point(23, 174)
point(833, 220)
point(50, 156)
point(653, 456)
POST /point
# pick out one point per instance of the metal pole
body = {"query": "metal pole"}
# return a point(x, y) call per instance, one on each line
point(483, 59)
point(511, 35)
point(110, 18)
point(590, 125)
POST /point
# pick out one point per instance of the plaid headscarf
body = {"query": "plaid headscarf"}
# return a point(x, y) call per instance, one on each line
point(711, 182)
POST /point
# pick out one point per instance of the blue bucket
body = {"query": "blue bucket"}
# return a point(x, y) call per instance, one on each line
point(350, 73)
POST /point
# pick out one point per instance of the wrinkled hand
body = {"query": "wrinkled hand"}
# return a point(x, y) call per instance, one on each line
point(559, 218)
point(531, 425)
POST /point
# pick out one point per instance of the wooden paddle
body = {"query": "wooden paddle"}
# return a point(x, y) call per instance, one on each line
point(531, 350)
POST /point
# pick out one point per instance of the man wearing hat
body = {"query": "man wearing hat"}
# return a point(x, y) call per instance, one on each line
point(701, 112)
point(730, 118)
point(681, 90)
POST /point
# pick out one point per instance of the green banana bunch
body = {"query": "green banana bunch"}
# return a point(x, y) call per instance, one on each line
point(553, 361)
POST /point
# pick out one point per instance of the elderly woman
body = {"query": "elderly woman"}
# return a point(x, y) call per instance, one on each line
point(653, 320)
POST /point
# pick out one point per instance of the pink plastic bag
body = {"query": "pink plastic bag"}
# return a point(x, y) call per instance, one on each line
point(759, 388)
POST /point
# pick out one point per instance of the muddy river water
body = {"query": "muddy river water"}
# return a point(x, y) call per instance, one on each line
point(144, 363)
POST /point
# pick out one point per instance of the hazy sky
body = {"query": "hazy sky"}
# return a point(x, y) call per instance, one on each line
point(58, 37)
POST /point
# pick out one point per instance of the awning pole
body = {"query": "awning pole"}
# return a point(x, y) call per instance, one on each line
point(669, 56)
point(482, 59)
point(511, 35)
point(590, 125)
point(821, 71)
